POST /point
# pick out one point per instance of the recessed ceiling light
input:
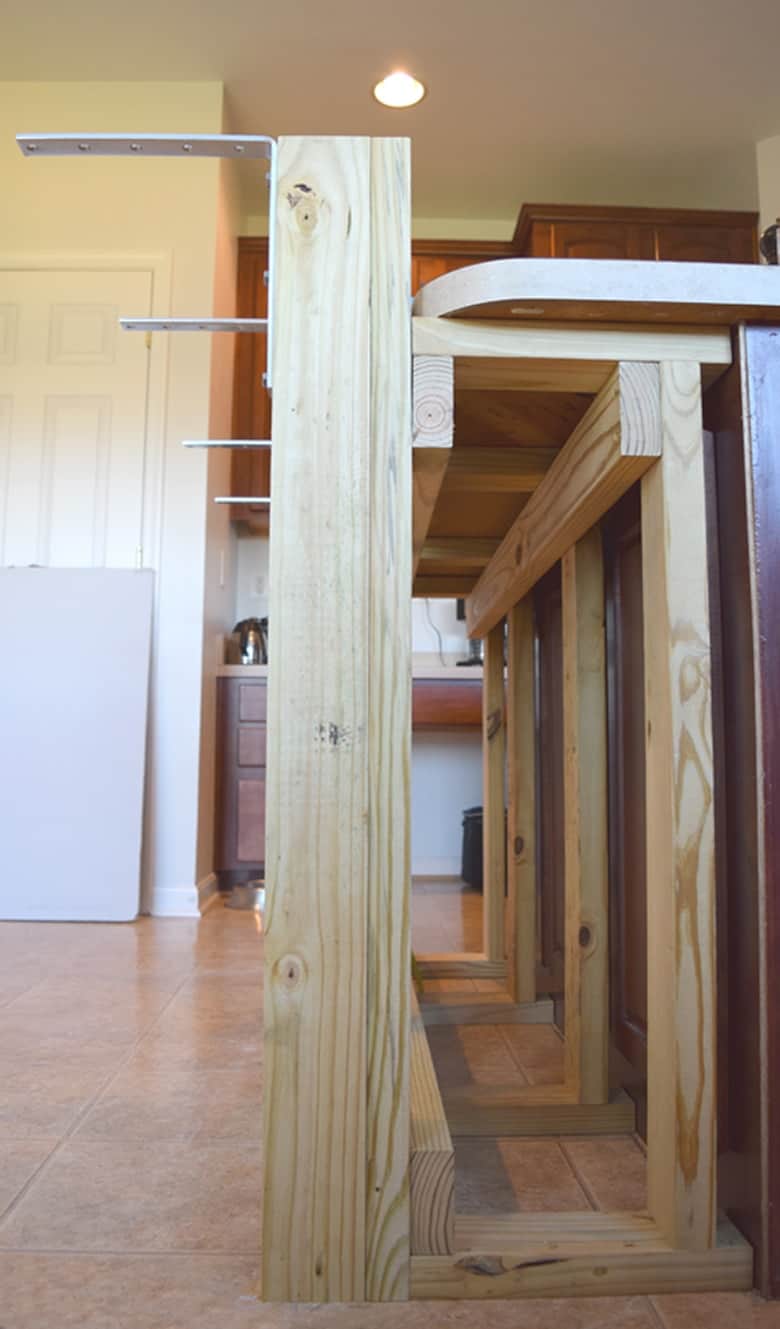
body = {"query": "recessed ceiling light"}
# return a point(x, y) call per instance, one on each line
point(399, 89)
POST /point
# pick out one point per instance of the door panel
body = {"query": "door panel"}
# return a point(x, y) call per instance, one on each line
point(626, 720)
point(73, 417)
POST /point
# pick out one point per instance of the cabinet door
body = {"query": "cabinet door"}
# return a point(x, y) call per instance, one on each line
point(251, 469)
point(241, 756)
point(626, 724)
point(608, 239)
point(706, 244)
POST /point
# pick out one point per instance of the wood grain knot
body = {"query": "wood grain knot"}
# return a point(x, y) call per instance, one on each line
point(519, 844)
point(493, 724)
point(290, 972)
point(585, 936)
point(304, 203)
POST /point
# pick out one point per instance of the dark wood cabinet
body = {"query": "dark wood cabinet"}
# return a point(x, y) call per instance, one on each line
point(670, 234)
point(251, 467)
point(548, 684)
point(241, 747)
point(447, 703)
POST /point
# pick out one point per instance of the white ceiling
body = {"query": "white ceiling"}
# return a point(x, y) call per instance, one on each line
point(615, 101)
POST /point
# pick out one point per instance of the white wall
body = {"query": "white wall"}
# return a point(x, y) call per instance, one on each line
point(169, 211)
point(251, 576)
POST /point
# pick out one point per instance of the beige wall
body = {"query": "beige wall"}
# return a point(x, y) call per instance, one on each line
point(169, 211)
point(768, 162)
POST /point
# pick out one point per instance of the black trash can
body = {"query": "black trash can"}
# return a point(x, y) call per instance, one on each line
point(471, 855)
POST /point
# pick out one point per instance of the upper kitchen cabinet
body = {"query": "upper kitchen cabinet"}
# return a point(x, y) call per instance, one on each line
point(676, 234)
point(251, 468)
point(432, 258)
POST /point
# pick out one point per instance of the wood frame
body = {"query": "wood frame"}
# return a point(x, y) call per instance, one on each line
point(341, 1154)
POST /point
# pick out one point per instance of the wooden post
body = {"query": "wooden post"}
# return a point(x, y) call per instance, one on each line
point(389, 728)
point(337, 950)
point(585, 821)
point(521, 840)
point(493, 776)
point(680, 825)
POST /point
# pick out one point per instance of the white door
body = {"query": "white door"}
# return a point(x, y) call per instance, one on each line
point(73, 394)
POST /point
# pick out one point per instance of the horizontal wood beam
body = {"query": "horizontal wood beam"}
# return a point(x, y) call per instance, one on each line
point(613, 445)
point(466, 551)
point(548, 1233)
point(558, 343)
point(433, 397)
point(457, 964)
point(492, 470)
point(470, 1010)
point(447, 587)
point(619, 1266)
point(534, 1109)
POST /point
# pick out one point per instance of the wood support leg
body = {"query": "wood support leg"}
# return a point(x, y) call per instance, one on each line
point(336, 1214)
point(493, 777)
point(585, 821)
point(521, 841)
point(680, 825)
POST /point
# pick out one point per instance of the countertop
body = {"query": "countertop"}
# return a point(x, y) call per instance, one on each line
point(423, 667)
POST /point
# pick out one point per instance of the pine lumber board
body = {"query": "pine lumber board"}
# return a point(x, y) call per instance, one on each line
point(626, 1267)
point(493, 783)
point(617, 440)
point(558, 357)
point(388, 942)
point(486, 470)
point(680, 825)
point(535, 1109)
point(549, 1233)
point(459, 964)
point(490, 1012)
point(521, 822)
point(432, 1157)
point(315, 1011)
point(586, 865)
point(433, 406)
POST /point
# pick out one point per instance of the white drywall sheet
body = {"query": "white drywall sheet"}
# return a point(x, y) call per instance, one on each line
point(74, 682)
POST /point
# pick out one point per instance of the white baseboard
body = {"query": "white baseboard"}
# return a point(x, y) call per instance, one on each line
point(208, 892)
point(436, 867)
point(185, 901)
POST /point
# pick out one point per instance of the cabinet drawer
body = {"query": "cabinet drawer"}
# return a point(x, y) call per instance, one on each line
point(252, 701)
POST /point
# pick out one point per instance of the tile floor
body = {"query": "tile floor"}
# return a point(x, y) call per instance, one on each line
point(130, 1149)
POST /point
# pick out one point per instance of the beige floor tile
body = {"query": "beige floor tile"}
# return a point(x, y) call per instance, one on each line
point(19, 1159)
point(215, 1292)
point(46, 1099)
point(511, 1176)
point(202, 1047)
point(472, 1055)
point(718, 1310)
point(538, 1050)
point(127, 1292)
point(168, 1105)
point(612, 1170)
point(141, 1197)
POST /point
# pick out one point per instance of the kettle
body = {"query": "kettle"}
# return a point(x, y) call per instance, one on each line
point(253, 640)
